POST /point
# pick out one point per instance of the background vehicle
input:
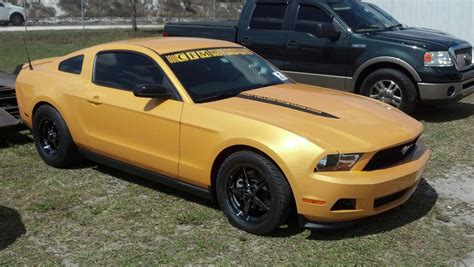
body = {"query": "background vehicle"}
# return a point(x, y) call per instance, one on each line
point(9, 115)
point(11, 14)
point(351, 46)
point(215, 119)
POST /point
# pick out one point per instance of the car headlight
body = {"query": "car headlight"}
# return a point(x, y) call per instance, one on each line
point(337, 162)
point(438, 59)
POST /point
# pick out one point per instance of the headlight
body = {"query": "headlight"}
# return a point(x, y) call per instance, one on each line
point(438, 59)
point(337, 162)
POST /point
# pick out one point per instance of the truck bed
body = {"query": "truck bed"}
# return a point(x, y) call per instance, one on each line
point(222, 30)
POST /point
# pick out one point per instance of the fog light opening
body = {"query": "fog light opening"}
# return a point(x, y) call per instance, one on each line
point(451, 91)
point(344, 204)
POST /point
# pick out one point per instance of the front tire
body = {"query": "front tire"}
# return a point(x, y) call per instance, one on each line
point(17, 20)
point(53, 140)
point(253, 193)
point(392, 87)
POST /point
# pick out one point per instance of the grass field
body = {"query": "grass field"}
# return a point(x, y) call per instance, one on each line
point(96, 215)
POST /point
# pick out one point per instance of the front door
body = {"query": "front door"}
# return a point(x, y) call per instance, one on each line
point(265, 35)
point(312, 59)
point(3, 13)
point(140, 131)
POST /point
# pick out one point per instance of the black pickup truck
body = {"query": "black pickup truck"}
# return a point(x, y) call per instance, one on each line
point(349, 45)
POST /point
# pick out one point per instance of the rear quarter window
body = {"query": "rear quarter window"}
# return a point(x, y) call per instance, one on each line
point(72, 65)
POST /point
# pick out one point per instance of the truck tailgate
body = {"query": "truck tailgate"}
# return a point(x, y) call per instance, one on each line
point(222, 30)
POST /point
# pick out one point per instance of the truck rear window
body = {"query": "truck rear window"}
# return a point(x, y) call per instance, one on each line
point(212, 74)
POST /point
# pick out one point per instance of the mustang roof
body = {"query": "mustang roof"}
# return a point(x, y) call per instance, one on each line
point(165, 45)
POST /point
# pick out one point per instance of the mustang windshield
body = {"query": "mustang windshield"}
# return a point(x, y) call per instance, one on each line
point(213, 74)
point(363, 17)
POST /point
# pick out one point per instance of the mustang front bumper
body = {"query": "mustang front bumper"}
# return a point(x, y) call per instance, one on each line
point(336, 197)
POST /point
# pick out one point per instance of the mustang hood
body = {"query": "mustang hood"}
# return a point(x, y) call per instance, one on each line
point(325, 117)
point(430, 39)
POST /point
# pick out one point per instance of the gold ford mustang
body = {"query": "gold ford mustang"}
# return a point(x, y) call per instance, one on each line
point(212, 118)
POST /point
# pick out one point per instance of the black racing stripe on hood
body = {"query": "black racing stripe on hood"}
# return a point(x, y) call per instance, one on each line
point(286, 104)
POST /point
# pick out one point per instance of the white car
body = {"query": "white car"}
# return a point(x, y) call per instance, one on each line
point(12, 14)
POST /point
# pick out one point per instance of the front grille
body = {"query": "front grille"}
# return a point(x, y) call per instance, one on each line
point(381, 201)
point(463, 57)
point(390, 156)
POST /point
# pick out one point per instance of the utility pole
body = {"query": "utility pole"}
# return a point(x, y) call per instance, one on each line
point(214, 10)
point(134, 15)
point(82, 15)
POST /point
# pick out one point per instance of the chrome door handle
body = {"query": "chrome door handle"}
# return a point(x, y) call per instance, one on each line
point(292, 43)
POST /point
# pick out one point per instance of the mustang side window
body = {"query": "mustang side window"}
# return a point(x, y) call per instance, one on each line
point(268, 16)
point(126, 70)
point(72, 65)
point(309, 17)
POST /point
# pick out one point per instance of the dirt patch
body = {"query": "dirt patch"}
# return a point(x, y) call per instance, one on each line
point(456, 189)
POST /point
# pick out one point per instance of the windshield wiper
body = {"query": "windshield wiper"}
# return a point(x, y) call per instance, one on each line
point(395, 26)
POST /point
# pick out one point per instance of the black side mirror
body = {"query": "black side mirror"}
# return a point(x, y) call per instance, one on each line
point(327, 30)
point(152, 91)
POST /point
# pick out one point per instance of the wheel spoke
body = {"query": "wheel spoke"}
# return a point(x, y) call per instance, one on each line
point(380, 86)
point(246, 208)
point(392, 87)
point(259, 185)
point(236, 191)
point(261, 204)
point(396, 101)
point(246, 178)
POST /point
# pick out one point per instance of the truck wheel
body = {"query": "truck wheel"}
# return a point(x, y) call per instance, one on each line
point(17, 20)
point(392, 87)
point(52, 138)
point(253, 193)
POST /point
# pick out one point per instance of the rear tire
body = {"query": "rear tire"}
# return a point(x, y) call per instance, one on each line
point(392, 87)
point(53, 140)
point(253, 193)
point(17, 20)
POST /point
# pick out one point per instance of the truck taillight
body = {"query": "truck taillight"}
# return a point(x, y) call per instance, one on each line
point(165, 34)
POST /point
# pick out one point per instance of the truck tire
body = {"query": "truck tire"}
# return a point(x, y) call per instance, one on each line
point(392, 87)
point(53, 140)
point(253, 193)
point(17, 20)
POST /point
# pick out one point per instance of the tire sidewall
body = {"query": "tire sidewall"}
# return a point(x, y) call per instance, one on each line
point(272, 219)
point(410, 95)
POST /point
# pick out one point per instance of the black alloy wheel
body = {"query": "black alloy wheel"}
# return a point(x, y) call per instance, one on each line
point(249, 194)
point(253, 192)
point(49, 137)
